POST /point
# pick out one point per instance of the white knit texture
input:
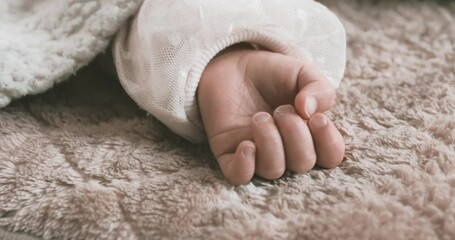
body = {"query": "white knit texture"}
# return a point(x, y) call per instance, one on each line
point(161, 54)
point(44, 42)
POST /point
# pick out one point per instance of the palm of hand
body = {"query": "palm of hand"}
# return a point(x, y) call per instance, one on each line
point(237, 92)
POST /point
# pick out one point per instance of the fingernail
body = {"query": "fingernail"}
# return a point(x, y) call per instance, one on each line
point(311, 105)
point(261, 117)
point(319, 121)
point(249, 152)
point(281, 110)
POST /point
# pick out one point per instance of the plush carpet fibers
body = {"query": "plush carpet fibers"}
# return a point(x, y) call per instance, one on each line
point(83, 162)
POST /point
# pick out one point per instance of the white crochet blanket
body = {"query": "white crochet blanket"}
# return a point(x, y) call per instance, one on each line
point(82, 161)
point(43, 42)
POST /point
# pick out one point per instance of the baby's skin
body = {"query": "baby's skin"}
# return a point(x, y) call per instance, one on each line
point(263, 114)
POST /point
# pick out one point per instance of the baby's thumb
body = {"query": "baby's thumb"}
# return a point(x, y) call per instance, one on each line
point(317, 96)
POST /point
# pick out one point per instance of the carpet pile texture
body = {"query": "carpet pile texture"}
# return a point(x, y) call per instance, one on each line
point(82, 161)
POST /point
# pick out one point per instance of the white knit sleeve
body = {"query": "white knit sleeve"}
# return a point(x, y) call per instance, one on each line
point(161, 54)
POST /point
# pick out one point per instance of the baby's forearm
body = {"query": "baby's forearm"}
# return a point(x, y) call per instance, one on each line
point(161, 54)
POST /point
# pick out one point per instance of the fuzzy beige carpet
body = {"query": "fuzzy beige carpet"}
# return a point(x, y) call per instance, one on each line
point(83, 162)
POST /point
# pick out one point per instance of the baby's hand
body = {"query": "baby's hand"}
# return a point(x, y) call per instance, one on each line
point(238, 92)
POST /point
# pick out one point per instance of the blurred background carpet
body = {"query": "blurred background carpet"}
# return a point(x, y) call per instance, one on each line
point(81, 161)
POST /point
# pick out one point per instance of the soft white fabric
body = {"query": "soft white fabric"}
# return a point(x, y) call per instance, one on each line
point(161, 54)
point(43, 42)
point(81, 162)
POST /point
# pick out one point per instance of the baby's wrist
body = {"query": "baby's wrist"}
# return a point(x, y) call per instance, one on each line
point(238, 46)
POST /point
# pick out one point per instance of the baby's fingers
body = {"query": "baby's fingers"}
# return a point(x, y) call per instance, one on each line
point(315, 93)
point(317, 96)
point(238, 167)
point(328, 141)
point(297, 139)
point(270, 162)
